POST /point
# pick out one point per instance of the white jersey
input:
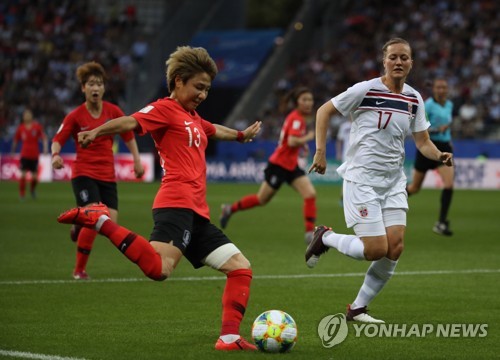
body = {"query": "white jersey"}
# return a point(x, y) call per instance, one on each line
point(343, 135)
point(380, 121)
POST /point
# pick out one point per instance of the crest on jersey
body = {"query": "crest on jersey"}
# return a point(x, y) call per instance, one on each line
point(363, 211)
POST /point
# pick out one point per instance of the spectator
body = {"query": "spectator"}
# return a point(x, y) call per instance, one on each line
point(455, 40)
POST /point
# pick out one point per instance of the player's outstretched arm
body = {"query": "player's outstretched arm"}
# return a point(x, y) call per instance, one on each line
point(115, 126)
point(323, 115)
point(247, 135)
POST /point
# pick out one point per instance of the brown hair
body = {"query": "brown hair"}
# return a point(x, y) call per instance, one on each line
point(294, 95)
point(186, 62)
point(396, 41)
point(92, 68)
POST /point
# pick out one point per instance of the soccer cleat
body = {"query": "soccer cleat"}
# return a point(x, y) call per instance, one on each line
point(81, 275)
point(225, 215)
point(240, 344)
point(442, 228)
point(361, 315)
point(308, 237)
point(316, 247)
point(85, 216)
point(74, 232)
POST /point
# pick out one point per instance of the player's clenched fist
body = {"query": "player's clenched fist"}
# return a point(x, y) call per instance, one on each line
point(85, 138)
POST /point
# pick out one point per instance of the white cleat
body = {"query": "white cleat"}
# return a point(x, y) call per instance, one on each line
point(361, 315)
point(313, 261)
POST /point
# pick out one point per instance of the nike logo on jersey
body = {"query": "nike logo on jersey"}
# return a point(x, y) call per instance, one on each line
point(83, 128)
point(187, 123)
point(379, 102)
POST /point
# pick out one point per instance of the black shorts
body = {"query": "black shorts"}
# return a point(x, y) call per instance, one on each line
point(88, 190)
point(423, 164)
point(29, 165)
point(191, 233)
point(275, 175)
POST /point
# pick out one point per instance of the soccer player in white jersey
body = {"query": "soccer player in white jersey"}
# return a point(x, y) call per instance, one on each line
point(375, 200)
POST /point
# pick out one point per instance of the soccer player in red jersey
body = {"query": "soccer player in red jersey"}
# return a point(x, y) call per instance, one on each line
point(30, 132)
point(93, 172)
point(283, 165)
point(181, 216)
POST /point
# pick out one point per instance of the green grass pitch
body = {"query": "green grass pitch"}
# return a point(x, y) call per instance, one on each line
point(441, 280)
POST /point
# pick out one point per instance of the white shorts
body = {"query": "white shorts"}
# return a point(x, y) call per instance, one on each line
point(371, 209)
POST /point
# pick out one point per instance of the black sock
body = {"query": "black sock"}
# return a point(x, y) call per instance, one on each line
point(446, 196)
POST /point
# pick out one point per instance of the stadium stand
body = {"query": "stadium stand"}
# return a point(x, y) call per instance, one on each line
point(43, 42)
point(456, 40)
point(328, 46)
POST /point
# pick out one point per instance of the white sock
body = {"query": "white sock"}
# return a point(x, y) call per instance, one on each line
point(229, 338)
point(350, 245)
point(101, 221)
point(376, 277)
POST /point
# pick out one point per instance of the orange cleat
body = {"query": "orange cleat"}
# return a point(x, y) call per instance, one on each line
point(240, 344)
point(86, 216)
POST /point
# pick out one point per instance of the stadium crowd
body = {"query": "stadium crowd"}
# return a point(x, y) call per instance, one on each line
point(455, 40)
point(42, 42)
point(41, 45)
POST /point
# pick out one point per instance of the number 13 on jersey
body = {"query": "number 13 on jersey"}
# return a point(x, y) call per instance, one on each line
point(191, 132)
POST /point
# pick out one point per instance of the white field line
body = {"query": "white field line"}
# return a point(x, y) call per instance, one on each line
point(29, 355)
point(263, 277)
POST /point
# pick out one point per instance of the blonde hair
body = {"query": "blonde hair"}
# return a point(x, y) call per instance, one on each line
point(186, 62)
point(396, 41)
point(92, 68)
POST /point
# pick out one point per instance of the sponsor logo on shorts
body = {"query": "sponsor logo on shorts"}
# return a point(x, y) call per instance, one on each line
point(84, 195)
point(186, 238)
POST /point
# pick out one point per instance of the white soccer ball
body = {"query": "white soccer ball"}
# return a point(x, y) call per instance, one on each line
point(274, 331)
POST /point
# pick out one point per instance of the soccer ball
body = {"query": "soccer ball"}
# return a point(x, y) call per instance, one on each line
point(274, 331)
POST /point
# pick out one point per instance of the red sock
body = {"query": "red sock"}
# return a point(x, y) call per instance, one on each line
point(235, 299)
point(22, 187)
point(33, 184)
point(310, 213)
point(84, 244)
point(135, 248)
point(246, 202)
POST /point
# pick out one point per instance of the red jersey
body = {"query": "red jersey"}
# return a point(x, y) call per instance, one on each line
point(96, 161)
point(30, 136)
point(181, 138)
point(285, 155)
